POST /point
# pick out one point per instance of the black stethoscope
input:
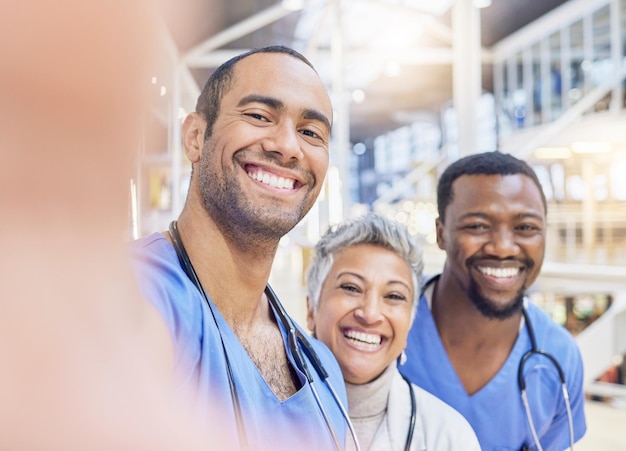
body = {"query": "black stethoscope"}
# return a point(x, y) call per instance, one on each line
point(413, 417)
point(299, 346)
point(534, 350)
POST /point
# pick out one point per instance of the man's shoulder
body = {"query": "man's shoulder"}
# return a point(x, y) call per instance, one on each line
point(153, 254)
point(553, 336)
point(153, 243)
point(161, 279)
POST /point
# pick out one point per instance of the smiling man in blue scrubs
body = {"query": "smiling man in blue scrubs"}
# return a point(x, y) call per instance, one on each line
point(258, 143)
point(470, 333)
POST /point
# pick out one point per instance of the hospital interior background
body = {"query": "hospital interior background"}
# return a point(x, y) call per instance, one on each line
point(415, 85)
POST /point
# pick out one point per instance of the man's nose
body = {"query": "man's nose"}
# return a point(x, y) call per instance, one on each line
point(502, 243)
point(284, 141)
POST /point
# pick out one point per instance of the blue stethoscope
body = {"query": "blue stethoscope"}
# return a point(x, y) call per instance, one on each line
point(298, 344)
point(534, 350)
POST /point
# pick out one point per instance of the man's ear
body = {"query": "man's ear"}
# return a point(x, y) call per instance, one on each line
point(310, 316)
point(193, 130)
point(441, 242)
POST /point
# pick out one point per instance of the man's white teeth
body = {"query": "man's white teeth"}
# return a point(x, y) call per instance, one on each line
point(369, 339)
point(271, 180)
point(499, 272)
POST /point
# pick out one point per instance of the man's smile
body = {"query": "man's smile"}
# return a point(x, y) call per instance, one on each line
point(271, 179)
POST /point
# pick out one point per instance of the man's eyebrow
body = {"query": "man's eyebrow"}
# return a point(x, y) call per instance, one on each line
point(532, 215)
point(317, 116)
point(474, 214)
point(519, 216)
point(272, 102)
point(278, 104)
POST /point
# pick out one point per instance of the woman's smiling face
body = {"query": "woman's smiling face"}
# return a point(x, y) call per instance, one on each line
point(364, 310)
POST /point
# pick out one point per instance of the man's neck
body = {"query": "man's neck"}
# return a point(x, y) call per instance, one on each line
point(455, 313)
point(234, 278)
point(477, 346)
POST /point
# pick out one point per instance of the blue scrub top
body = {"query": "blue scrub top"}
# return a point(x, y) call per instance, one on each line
point(200, 365)
point(496, 411)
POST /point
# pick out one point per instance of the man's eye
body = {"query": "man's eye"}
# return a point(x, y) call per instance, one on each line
point(528, 228)
point(310, 133)
point(475, 227)
point(257, 116)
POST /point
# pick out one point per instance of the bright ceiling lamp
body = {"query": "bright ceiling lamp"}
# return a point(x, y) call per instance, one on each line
point(428, 6)
point(358, 96)
point(592, 147)
point(293, 5)
point(392, 69)
point(552, 153)
point(482, 3)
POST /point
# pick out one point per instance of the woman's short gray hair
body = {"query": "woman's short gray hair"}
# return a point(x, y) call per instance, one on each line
point(368, 229)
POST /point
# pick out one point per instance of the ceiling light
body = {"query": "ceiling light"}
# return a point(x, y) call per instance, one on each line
point(392, 69)
point(592, 147)
point(359, 149)
point(552, 153)
point(358, 96)
point(482, 3)
point(293, 5)
point(428, 6)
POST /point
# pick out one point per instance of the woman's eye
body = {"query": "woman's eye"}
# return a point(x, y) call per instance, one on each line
point(350, 288)
point(397, 297)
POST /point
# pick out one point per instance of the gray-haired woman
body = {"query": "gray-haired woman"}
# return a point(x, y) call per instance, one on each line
point(362, 292)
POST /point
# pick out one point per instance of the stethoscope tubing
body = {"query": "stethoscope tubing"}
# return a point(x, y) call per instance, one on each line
point(413, 417)
point(301, 346)
point(298, 353)
point(185, 261)
point(534, 350)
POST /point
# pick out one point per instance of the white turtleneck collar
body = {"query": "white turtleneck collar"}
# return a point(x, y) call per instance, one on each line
point(367, 405)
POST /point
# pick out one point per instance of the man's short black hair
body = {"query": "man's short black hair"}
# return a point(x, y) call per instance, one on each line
point(487, 163)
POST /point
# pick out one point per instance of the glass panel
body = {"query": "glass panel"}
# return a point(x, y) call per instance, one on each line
point(622, 12)
point(555, 75)
point(399, 150)
point(602, 69)
point(505, 99)
point(518, 111)
point(577, 72)
point(536, 83)
point(381, 161)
